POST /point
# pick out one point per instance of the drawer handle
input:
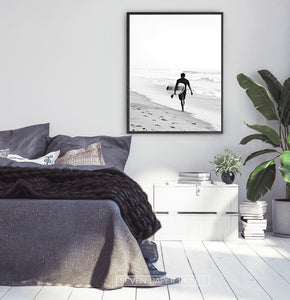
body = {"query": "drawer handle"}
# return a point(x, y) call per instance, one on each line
point(197, 191)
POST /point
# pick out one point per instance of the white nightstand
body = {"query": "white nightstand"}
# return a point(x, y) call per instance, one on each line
point(194, 212)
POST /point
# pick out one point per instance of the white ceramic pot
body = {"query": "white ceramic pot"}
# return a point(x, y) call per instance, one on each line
point(281, 217)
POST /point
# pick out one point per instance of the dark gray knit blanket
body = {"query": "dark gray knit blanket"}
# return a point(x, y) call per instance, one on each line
point(41, 183)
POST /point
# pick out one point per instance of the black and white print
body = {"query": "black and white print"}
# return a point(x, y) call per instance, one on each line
point(174, 72)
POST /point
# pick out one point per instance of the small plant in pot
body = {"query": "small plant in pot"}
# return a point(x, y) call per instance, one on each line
point(227, 165)
point(274, 104)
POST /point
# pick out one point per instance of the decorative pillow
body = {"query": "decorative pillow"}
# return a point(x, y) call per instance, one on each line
point(46, 160)
point(91, 155)
point(4, 152)
point(115, 149)
point(30, 142)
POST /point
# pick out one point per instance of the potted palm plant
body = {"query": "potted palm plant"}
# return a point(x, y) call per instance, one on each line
point(274, 104)
point(227, 165)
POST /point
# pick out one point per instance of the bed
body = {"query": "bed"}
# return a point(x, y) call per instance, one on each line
point(77, 225)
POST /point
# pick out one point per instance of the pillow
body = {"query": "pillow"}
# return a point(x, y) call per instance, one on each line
point(46, 160)
point(4, 152)
point(115, 149)
point(30, 142)
point(91, 155)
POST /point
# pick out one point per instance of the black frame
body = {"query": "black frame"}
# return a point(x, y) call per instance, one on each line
point(128, 69)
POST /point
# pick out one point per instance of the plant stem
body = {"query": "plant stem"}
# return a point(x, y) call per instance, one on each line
point(287, 131)
point(287, 190)
point(281, 134)
point(284, 134)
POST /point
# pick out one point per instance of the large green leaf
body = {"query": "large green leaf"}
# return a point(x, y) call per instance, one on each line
point(257, 136)
point(259, 96)
point(269, 132)
point(261, 180)
point(274, 86)
point(285, 165)
point(257, 153)
point(284, 107)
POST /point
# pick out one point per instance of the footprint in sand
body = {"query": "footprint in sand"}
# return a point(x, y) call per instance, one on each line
point(172, 127)
point(163, 120)
point(157, 125)
point(193, 123)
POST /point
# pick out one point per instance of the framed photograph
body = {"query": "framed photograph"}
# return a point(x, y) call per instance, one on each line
point(174, 72)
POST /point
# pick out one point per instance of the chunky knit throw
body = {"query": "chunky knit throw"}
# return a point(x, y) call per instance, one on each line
point(111, 184)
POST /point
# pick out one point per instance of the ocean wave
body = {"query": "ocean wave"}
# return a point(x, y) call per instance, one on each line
point(202, 83)
point(217, 80)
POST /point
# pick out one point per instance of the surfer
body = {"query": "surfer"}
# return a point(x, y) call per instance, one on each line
point(182, 80)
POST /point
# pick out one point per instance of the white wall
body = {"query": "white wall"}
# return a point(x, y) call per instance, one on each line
point(64, 62)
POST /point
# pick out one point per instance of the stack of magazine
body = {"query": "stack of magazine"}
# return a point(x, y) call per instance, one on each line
point(253, 222)
point(194, 178)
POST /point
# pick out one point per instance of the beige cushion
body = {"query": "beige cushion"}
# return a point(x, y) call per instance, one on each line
point(90, 155)
point(4, 152)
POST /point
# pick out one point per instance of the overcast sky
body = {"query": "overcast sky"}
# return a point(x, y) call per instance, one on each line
point(175, 41)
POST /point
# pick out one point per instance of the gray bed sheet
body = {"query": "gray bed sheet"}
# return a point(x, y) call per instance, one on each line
point(81, 243)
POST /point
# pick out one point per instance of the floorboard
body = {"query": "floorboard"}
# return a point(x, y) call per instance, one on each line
point(211, 281)
point(54, 292)
point(240, 280)
point(269, 279)
point(126, 293)
point(176, 265)
point(280, 244)
point(86, 294)
point(22, 293)
point(272, 257)
point(4, 290)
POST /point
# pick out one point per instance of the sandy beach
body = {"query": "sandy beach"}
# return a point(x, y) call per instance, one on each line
point(146, 115)
point(148, 91)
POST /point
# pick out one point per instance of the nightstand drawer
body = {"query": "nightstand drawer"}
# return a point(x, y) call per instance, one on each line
point(176, 198)
point(196, 198)
point(197, 227)
point(221, 199)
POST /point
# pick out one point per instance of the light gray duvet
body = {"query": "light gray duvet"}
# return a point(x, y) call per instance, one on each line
point(67, 242)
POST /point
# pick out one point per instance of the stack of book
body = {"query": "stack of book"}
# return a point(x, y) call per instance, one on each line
point(253, 222)
point(194, 178)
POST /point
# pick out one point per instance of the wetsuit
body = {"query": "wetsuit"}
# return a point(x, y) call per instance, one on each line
point(182, 96)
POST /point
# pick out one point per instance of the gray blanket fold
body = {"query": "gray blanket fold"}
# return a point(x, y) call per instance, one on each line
point(64, 242)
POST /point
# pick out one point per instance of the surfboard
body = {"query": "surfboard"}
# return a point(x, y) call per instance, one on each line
point(179, 90)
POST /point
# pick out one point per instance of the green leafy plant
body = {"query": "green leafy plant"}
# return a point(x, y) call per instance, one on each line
point(274, 104)
point(227, 163)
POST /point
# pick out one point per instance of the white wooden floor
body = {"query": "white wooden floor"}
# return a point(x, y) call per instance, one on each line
point(210, 270)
